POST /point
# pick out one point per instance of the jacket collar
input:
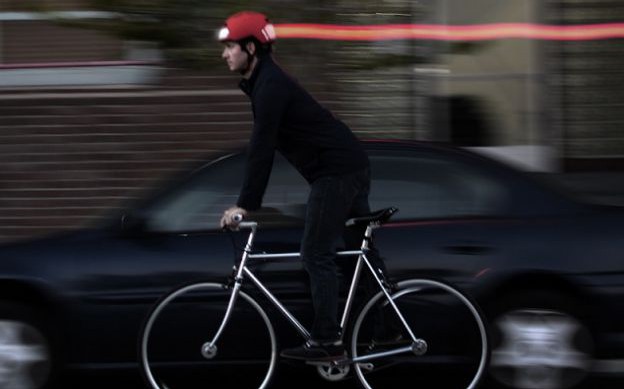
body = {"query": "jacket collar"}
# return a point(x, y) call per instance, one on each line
point(246, 85)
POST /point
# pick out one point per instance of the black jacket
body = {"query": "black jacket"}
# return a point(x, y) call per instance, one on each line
point(288, 119)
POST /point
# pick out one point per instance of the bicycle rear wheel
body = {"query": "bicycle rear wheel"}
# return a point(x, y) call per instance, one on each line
point(175, 349)
point(452, 348)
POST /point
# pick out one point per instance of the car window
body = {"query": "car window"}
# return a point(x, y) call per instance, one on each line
point(421, 186)
point(199, 203)
point(286, 196)
point(426, 186)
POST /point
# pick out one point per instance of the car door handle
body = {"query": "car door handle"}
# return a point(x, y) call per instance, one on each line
point(467, 249)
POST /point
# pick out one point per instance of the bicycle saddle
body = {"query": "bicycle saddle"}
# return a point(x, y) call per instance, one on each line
point(377, 217)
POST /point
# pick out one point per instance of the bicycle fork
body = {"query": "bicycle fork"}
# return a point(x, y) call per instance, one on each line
point(209, 349)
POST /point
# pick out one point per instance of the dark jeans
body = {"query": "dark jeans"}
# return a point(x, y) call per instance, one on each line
point(332, 201)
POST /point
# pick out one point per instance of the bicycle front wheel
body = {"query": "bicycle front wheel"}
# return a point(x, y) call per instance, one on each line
point(180, 348)
point(439, 340)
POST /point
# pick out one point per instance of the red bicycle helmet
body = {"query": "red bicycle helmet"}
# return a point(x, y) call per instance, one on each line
point(247, 24)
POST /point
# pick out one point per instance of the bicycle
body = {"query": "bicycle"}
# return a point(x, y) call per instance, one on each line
point(206, 310)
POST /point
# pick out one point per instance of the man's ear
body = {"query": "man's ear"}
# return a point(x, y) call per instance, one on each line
point(251, 47)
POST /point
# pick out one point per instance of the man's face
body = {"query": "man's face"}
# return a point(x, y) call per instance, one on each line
point(234, 56)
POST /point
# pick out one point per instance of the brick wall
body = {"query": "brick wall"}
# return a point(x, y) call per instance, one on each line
point(70, 158)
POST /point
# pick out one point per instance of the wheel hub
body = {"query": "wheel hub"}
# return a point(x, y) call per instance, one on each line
point(540, 349)
point(24, 355)
point(419, 347)
point(209, 350)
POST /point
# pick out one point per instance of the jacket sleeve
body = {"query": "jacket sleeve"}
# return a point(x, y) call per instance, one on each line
point(269, 105)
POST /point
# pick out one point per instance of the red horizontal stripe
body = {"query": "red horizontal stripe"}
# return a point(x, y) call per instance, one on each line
point(450, 33)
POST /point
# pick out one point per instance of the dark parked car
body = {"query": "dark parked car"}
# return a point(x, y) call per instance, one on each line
point(547, 270)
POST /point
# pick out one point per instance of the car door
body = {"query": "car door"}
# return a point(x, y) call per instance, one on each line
point(452, 214)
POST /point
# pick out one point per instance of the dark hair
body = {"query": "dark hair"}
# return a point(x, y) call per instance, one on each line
point(262, 49)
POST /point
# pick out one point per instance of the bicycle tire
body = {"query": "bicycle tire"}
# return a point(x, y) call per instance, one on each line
point(181, 323)
point(457, 347)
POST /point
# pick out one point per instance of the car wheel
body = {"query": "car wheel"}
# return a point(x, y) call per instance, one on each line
point(25, 352)
point(538, 341)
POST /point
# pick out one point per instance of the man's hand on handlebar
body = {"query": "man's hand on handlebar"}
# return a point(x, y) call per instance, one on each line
point(232, 217)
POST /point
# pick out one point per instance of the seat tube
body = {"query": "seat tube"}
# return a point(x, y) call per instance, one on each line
point(350, 297)
point(356, 278)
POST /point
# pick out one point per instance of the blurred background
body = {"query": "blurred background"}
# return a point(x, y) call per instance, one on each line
point(100, 100)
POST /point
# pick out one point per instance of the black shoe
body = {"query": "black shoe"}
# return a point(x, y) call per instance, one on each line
point(315, 352)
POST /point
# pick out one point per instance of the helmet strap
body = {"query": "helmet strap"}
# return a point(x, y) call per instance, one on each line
point(250, 57)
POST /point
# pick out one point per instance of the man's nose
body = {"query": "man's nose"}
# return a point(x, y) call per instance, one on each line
point(224, 54)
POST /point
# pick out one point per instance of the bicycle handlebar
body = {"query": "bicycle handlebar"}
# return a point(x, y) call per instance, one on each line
point(238, 218)
point(247, 225)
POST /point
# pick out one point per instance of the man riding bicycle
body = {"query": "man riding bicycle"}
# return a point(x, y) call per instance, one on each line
point(324, 151)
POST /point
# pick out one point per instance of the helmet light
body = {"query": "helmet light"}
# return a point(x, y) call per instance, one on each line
point(224, 33)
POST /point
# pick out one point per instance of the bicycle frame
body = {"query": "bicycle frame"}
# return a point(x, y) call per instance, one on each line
point(372, 337)
point(241, 271)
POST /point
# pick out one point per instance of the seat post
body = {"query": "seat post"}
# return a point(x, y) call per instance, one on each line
point(368, 235)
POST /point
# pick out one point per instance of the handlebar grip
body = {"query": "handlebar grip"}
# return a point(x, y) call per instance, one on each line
point(247, 225)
